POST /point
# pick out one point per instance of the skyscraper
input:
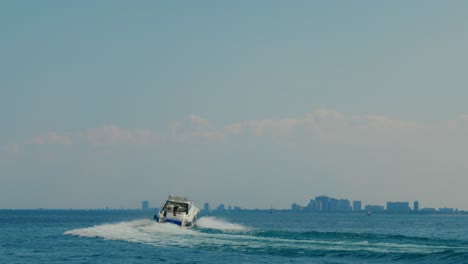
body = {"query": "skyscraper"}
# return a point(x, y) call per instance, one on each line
point(357, 206)
point(295, 207)
point(322, 203)
point(220, 208)
point(144, 205)
point(398, 207)
point(375, 208)
point(310, 206)
point(416, 206)
point(339, 205)
point(206, 207)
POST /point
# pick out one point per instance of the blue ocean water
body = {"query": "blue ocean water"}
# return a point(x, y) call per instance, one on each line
point(130, 236)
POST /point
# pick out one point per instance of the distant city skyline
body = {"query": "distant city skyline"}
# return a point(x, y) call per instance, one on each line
point(324, 203)
point(246, 103)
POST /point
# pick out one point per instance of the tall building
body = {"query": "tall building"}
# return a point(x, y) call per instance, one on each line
point(322, 203)
point(206, 207)
point(341, 205)
point(446, 210)
point(398, 207)
point(357, 206)
point(144, 205)
point(375, 208)
point(416, 206)
point(220, 207)
point(295, 207)
point(428, 210)
point(310, 206)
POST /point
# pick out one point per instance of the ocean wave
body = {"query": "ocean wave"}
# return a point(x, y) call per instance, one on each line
point(210, 222)
point(371, 237)
point(236, 237)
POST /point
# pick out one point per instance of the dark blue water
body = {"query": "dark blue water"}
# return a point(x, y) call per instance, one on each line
point(129, 236)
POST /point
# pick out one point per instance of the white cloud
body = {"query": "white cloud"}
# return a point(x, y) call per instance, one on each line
point(198, 120)
point(328, 115)
point(111, 134)
point(233, 129)
point(196, 129)
point(52, 138)
point(463, 118)
point(144, 136)
point(105, 135)
point(459, 122)
point(368, 148)
point(326, 126)
point(322, 125)
point(98, 136)
point(273, 126)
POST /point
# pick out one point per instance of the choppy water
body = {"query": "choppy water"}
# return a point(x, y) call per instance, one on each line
point(122, 236)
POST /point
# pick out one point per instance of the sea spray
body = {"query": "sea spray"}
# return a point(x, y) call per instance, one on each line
point(231, 236)
point(211, 222)
point(150, 232)
point(143, 231)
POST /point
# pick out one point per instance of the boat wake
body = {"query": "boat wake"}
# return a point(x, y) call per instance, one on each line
point(212, 233)
point(143, 231)
point(210, 222)
point(150, 232)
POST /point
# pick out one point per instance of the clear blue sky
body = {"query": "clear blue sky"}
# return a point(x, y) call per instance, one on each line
point(250, 103)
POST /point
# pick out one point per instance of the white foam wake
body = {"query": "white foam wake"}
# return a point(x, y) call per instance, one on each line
point(142, 231)
point(150, 232)
point(220, 224)
point(233, 238)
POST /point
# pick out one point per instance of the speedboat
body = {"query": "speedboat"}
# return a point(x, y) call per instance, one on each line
point(178, 210)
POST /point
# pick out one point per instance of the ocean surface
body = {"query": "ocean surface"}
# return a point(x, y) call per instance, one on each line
point(130, 236)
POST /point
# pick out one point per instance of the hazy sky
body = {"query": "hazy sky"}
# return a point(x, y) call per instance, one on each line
point(250, 103)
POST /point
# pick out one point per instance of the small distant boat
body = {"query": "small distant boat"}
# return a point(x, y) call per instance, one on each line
point(369, 213)
point(178, 210)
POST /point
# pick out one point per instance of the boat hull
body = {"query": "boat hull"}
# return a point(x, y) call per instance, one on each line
point(179, 223)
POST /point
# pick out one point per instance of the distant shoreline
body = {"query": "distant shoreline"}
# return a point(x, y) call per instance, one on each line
point(236, 211)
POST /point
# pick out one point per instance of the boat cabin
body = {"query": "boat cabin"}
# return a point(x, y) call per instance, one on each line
point(174, 207)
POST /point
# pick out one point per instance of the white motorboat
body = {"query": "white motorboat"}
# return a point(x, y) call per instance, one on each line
point(179, 211)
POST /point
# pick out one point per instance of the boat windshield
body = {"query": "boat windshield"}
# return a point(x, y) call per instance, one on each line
point(175, 207)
